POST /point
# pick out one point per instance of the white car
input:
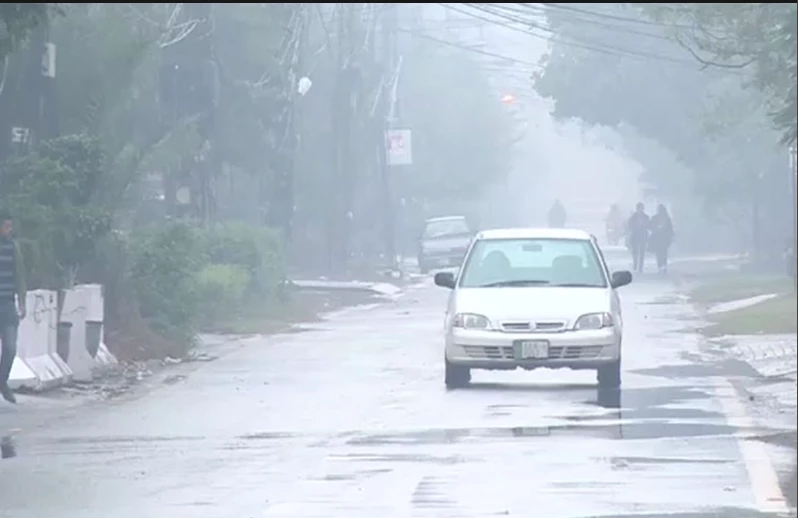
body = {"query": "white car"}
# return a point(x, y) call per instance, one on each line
point(531, 298)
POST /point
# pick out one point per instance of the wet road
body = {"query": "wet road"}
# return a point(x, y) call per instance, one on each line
point(352, 420)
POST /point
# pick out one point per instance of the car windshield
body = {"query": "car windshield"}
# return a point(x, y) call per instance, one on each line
point(445, 227)
point(533, 262)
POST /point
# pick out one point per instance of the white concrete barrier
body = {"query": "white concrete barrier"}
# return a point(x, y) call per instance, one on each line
point(37, 365)
point(95, 338)
point(74, 312)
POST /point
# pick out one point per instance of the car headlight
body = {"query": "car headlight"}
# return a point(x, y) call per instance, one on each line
point(594, 321)
point(470, 321)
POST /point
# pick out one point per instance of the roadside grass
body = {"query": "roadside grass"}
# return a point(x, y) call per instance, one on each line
point(727, 288)
point(300, 308)
point(773, 316)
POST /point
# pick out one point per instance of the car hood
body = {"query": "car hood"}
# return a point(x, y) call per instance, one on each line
point(532, 303)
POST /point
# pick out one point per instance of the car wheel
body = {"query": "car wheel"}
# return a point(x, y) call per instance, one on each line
point(456, 376)
point(423, 267)
point(609, 376)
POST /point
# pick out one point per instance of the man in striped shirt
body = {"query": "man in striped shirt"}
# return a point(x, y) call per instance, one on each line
point(12, 301)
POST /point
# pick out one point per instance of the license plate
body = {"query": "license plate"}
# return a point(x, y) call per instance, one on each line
point(532, 349)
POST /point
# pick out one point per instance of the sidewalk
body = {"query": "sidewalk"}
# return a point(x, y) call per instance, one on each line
point(770, 394)
point(774, 360)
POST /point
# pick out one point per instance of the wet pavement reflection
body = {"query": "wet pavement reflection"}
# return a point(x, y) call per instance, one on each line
point(352, 420)
point(8, 449)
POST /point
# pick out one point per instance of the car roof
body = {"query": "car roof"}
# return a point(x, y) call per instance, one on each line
point(446, 218)
point(534, 233)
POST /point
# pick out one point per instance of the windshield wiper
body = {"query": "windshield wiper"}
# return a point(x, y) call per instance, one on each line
point(520, 282)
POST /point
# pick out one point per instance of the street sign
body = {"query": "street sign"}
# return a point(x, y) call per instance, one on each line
point(20, 135)
point(399, 148)
point(48, 60)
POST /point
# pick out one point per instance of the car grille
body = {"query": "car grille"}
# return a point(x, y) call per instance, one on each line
point(494, 352)
point(532, 327)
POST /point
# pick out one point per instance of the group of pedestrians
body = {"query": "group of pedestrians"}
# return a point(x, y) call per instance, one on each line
point(642, 233)
point(649, 234)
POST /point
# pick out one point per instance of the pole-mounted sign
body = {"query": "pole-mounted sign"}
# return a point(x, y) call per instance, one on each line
point(399, 147)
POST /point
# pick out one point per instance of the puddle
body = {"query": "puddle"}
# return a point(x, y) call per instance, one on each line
point(398, 457)
point(8, 449)
point(122, 440)
point(647, 430)
point(265, 436)
point(667, 460)
point(715, 512)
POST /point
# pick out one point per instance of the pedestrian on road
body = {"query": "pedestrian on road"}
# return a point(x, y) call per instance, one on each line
point(638, 226)
point(557, 215)
point(614, 224)
point(661, 237)
point(12, 301)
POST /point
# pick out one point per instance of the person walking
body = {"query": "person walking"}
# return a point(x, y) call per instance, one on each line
point(638, 228)
point(614, 225)
point(557, 215)
point(661, 237)
point(12, 301)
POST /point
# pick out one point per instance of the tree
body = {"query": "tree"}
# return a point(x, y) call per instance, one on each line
point(462, 132)
point(761, 36)
point(621, 76)
point(53, 193)
point(18, 20)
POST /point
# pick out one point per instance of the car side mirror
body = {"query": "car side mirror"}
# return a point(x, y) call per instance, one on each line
point(621, 278)
point(444, 280)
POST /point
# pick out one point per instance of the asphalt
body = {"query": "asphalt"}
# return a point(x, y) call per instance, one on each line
point(351, 419)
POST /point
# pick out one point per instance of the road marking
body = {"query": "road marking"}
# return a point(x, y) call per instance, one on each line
point(762, 476)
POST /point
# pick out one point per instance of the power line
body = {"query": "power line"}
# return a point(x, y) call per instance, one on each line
point(452, 44)
point(591, 46)
point(534, 9)
point(608, 16)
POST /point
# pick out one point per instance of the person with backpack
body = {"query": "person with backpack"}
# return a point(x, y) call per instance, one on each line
point(557, 215)
point(661, 237)
point(638, 228)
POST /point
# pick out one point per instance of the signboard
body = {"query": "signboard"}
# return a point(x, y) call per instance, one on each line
point(399, 148)
point(20, 135)
point(48, 60)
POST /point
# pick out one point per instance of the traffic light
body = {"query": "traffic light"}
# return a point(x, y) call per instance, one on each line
point(508, 99)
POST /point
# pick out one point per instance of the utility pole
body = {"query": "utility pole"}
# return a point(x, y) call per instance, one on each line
point(189, 87)
point(391, 74)
point(793, 255)
point(281, 203)
point(29, 113)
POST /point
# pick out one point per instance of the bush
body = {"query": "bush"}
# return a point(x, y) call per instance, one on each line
point(221, 290)
point(178, 278)
point(257, 250)
point(163, 274)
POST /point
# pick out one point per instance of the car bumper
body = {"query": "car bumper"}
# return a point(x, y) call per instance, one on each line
point(479, 349)
point(440, 260)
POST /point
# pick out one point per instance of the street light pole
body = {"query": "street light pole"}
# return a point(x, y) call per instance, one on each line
point(794, 209)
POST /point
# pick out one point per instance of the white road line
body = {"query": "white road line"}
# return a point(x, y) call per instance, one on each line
point(762, 476)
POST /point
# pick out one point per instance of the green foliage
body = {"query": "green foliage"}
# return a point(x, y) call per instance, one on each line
point(710, 118)
point(164, 262)
point(186, 278)
point(760, 36)
point(221, 291)
point(50, 192)
point(18, 20)
point(256, 250)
